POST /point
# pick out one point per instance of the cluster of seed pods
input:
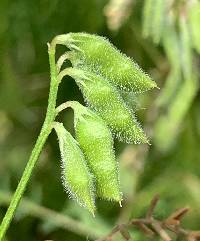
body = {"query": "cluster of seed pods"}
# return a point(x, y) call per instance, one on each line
point(89, 165)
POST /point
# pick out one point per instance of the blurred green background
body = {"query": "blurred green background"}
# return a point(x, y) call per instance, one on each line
point(163, 37)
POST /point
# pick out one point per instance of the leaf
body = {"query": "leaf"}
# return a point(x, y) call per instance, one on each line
point(194, 20)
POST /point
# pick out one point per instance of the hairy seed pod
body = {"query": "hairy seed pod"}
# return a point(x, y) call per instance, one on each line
point(98, 55)
point(106, 100)
point(95, 140)
point(77, 180)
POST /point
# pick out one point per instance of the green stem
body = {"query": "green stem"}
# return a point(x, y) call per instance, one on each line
point(44, 133)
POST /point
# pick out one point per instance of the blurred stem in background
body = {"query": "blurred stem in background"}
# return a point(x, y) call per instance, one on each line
point(57, 219)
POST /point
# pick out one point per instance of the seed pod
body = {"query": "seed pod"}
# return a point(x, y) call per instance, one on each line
point(77, 180)
point(97, 54)
point(96, 141)
point(106, 100)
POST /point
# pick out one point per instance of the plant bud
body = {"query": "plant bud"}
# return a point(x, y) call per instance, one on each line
point(96, 142)
point(77, 180)
point(97, 54)
point(106, 100)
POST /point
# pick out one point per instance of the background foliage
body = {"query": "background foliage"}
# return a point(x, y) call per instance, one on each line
point(164, 38)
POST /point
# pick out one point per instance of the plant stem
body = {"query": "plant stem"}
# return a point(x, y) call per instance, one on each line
point(44, 133)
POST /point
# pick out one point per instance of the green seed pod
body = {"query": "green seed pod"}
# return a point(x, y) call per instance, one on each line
point(96, 142)
point(97, 54)
point(106, 100)
point(77, 180)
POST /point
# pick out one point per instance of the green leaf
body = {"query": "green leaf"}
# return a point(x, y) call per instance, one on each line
point(194, 20)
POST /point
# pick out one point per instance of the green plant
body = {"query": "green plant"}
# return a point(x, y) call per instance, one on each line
point(106, 100)
point(95, 69)
point(174, 23)
point(76, 177)
point(94, 137)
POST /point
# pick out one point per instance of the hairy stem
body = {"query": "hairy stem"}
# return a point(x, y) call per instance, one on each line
point(63, 106)
point(62, 59)
point(44, 133)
